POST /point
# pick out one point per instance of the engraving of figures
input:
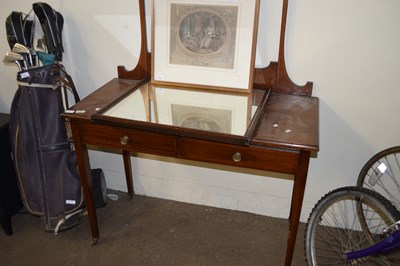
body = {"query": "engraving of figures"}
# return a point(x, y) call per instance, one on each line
point(202, 118)
point(203, 35)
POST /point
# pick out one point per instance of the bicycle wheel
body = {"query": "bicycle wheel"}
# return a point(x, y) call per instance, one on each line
point(334, 227)
point(382, 174)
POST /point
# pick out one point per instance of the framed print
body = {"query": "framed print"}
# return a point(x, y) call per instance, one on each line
point(208, 44)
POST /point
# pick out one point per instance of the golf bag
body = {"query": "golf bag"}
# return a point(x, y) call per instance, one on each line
point(44, 160)
point(45, 163)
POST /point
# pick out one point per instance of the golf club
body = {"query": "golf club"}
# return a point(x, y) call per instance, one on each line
point(18, 57)
point(23, 50)
point(13, 58)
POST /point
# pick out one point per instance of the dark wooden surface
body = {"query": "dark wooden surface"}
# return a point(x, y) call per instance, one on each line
point(282, 141)
point(289, 120)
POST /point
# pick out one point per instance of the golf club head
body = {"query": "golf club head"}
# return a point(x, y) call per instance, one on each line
point(12, 56)
point(11, 59)
point(20, 48)
point(26, 51)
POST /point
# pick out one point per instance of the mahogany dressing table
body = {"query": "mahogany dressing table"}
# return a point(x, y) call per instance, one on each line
point(277, 131)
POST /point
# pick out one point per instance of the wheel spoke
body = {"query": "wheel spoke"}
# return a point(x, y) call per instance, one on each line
point(334, 226)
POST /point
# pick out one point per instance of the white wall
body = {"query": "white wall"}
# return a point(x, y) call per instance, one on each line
point(349, 49)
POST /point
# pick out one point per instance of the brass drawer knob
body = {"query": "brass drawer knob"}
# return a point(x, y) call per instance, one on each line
point(237, 157)
point(124, 140)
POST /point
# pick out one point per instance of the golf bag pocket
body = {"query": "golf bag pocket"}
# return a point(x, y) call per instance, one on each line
point(44, 160)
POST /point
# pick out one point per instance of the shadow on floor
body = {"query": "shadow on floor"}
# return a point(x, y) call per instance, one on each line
point(150, 231)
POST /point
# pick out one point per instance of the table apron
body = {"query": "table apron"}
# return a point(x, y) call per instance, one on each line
point(128, 139)
point(255, 157)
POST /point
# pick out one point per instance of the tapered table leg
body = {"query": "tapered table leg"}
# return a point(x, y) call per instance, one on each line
point(85, 175)
point(297, 202)
point(128, 172)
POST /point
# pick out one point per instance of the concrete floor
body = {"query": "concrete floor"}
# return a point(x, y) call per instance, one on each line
point(150, 231)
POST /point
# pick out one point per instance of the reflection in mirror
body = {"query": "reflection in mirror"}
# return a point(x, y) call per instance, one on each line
point(203, 110)
point(133, 107)
point(219, 112)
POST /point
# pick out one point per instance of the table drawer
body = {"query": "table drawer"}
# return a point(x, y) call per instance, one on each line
point(128, 139)
point(278, 160)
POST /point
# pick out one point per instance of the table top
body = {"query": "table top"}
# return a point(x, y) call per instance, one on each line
point(261, 118)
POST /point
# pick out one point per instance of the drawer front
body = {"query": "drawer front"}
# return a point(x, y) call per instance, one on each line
point(128, 139)
point(275, 160)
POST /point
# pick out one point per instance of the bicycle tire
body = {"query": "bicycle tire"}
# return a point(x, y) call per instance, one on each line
point(381, 173)
point(334, 227)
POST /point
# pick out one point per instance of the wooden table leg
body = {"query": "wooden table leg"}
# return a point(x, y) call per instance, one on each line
point(82, 157)
point(297, 202)
point(128, 172)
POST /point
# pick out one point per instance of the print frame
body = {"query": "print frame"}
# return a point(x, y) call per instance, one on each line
point(206, 44)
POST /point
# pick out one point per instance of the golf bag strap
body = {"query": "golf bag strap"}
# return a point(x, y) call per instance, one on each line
point(71, 85)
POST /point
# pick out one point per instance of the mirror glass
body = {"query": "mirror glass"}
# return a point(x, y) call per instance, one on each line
point(222, 112)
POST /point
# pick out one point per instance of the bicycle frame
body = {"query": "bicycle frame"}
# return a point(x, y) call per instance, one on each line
point(389, 244)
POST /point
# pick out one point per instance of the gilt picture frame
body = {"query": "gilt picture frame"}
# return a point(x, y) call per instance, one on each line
point(202, 43)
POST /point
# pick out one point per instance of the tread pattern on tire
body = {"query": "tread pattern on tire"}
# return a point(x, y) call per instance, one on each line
point(334, 196)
